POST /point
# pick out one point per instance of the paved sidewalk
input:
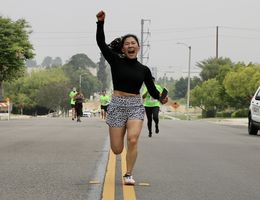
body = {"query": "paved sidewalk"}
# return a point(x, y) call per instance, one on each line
point(229, 121)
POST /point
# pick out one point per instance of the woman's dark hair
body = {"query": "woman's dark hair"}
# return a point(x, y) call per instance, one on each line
point(117, 44)
point(127, 36)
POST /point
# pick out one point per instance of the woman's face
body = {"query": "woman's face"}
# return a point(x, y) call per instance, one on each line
point(130, 48)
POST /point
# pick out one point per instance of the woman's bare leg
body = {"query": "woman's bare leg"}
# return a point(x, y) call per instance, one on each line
point(134, 128)
point(117, 139)
point(102, 114)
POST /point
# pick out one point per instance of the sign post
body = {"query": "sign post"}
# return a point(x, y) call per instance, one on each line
point(9, 108)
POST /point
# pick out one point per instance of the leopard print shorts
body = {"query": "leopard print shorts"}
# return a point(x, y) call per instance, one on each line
point(124, 108)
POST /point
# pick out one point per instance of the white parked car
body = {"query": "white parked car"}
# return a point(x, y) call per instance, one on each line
point(86, 113)
point(254, 114)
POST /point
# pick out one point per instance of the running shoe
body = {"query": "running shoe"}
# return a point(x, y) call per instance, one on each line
point(156, 129)
point(150, 134)
point(128, 179)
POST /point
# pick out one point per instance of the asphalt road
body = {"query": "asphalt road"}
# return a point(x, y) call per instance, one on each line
point(49, 158)
point(188, 160)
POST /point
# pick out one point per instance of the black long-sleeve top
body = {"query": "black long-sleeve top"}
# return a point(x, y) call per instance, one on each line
point(128, 75)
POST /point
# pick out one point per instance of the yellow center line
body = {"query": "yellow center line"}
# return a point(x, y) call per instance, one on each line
point(109, 184)
point(128, 191)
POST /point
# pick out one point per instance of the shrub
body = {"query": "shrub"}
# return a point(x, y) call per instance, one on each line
point(208, 113)
point(240, 113)
point(224, 114)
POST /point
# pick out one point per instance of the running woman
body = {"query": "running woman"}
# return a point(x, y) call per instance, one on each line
point(104, 101)
point(152, 108)
point(72, 94)
point(126, 110)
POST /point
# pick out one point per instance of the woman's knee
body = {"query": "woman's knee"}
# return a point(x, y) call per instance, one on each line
point(155, 118)
point(132, 141)
point(117, 150)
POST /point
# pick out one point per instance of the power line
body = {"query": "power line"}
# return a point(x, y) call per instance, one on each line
point(66, 45)
point(184, 29)
point(240, 37)
point(156, 30)
point(184, 38)
point(59, 38)
point(58, 32)
point(240, 28)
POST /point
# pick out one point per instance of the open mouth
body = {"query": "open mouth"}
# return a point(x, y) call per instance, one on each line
point(131, 51)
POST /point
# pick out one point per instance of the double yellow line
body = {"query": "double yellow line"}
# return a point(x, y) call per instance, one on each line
point(109, 184)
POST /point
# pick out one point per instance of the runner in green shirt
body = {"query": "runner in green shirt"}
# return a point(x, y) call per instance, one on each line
point(104, 101)
point(72, 94)
point(152, 108)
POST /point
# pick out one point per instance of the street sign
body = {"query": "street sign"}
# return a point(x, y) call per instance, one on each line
point(3, 106)
point(175, 105)
point(5, 109)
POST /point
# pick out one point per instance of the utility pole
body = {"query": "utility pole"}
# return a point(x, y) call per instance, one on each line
point(217, 42)
point(144, 42)
point(188, 92)
point(188, 87)
point(80, 78)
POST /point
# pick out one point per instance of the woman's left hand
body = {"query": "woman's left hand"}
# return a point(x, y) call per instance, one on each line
point(165, 100)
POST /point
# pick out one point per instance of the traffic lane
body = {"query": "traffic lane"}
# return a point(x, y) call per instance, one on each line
point(198, 160)
point(52, 158)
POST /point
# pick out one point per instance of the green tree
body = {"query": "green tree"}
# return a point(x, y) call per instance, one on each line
point(222, 72)
point(31, 63)
point(242, 82)
point(211, 67)
point(56, 62)
point(207, 96)
point(102, 74)
point(15, 49)
point(180, 88)
point(54, 96)
point(194, 82)
point(23, 101)
point(47, 62)
point(28, 87)
point(78, 65)
point(90, 84)
point(81, 61)
point(19, 93)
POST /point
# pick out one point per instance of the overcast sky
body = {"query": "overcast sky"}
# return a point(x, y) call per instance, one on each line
point(63, 28)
